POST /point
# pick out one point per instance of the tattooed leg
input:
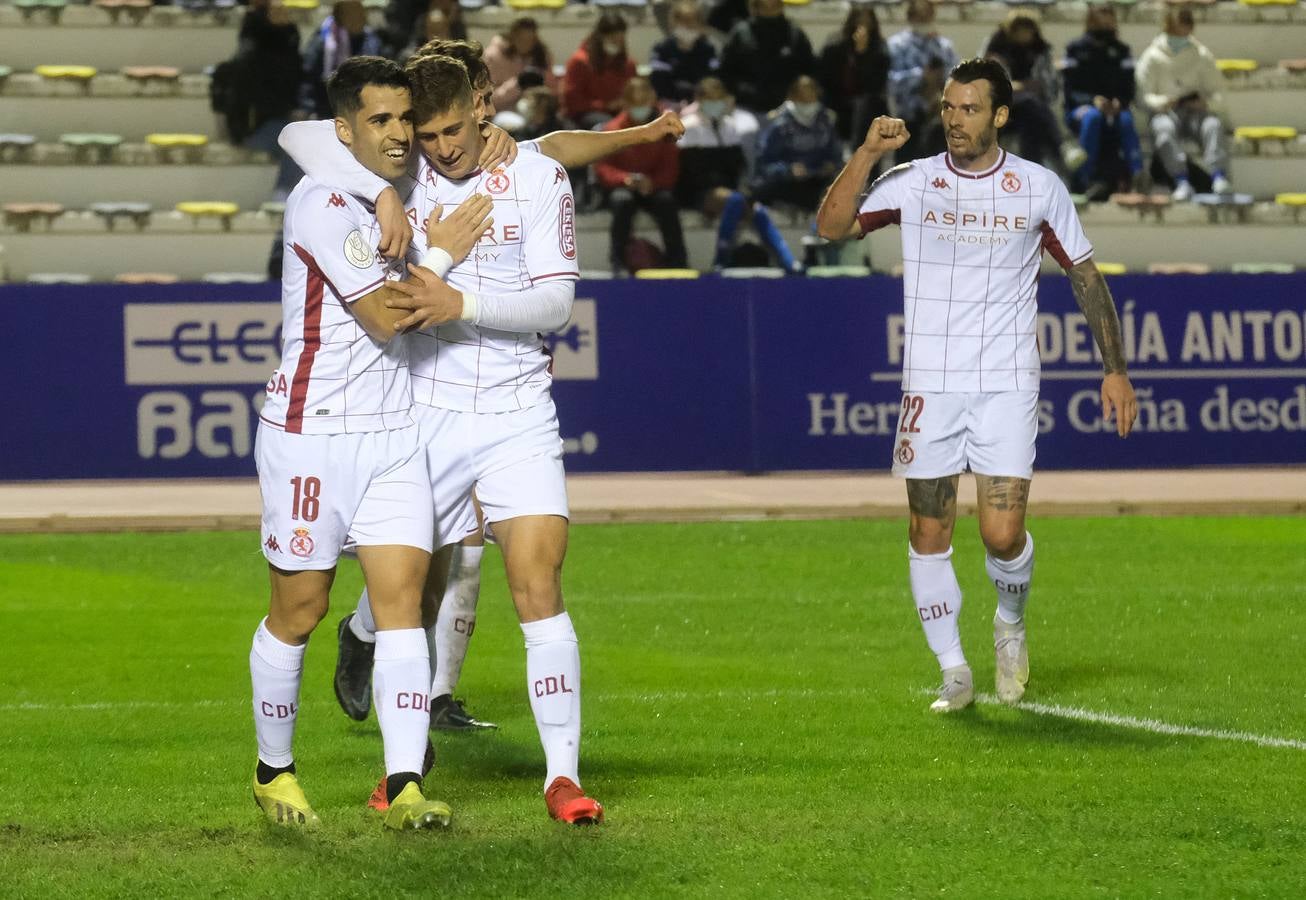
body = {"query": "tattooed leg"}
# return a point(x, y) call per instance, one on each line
point(1002, 503)
point(933, 506)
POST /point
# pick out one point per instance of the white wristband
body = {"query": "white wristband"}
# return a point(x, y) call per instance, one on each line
point(438, 260)
point(469, 307)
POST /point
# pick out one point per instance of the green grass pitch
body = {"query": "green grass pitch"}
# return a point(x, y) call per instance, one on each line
point(755, 722)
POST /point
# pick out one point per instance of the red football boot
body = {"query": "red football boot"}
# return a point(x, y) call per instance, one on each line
point(568, 803)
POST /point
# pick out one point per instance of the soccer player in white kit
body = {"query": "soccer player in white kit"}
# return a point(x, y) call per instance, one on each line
point(975, 223)
point(340, 462)
point(481, 384)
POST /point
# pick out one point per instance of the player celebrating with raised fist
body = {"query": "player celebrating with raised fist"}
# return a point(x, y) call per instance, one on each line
point(975, 223)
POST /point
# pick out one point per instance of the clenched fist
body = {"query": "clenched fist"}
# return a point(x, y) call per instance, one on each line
point(886, 134)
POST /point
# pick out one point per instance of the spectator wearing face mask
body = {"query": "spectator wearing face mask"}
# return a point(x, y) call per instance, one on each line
point(681, 61)
point(517, 60)
point(919, 62)
point(538, 110)
point(799, 150)
point(763, 55)
point(642, 177)
point(597, 73)
point(1098, 74)
point(1179, 83)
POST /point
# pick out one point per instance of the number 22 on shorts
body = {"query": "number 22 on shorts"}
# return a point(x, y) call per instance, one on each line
point(912, 407)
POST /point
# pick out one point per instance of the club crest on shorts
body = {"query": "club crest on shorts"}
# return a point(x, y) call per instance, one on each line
point(1010, 183)
point(301, 544)
point(904, 454)
point(360, 255)
point(497, 183)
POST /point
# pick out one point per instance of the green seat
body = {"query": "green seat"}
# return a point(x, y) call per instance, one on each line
point(1263, 268)
point(90, 146)
point(838, 272)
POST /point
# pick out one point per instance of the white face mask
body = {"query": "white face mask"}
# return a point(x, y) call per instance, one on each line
point(685, 36)
point(641, 113)
point(805, 113)
point(713, 109)
point(612, 48)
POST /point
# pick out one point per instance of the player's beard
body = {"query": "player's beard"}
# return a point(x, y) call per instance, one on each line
point(975, 147)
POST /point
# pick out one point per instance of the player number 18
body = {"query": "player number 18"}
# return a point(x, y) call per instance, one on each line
point(304, 505)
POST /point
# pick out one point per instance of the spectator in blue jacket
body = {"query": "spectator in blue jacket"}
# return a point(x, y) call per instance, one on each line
point(681, 61)
point(799, 150)
point(1099, 86)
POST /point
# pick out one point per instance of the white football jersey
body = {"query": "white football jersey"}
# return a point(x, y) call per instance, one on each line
point(465, 367)
point(971, 247)
point(333, 378)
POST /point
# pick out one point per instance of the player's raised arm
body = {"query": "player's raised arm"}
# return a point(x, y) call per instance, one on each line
point(1094, 299)
point(836, 220)
point(581, 148)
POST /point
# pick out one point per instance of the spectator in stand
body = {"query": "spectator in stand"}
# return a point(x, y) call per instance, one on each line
point(437, 28)
point(518, 60)
point(641, 178)
point(854, 73)
point(919, 62)
point(724, 15)
point(405, 23)
point(681, 61)
point(799, 151)
point(343, 34)
point(597, 74)
point(538, 108)
point(763, 55)
point(1019, 45)
point(1099, 86)
point(1179, 83)
point(716, 155)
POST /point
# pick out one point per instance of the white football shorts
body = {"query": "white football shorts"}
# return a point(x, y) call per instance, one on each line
point(322, 492)
point(512, 461)
point(945, 434)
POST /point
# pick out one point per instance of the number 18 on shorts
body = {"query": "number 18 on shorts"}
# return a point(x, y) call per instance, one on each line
point(945, 434)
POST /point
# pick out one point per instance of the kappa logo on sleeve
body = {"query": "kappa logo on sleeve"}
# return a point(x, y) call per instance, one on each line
point(360, 255)
point(336, 200)
point(567, 226)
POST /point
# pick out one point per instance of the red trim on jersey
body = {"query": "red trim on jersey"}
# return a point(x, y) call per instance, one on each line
point(1052, 245)
point(870, 221)
point(555, 275)
point(1002, 161)
point(313, 291)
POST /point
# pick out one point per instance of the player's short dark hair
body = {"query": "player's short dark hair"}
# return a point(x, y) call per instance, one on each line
point(345, 86)
point(440, 84)
point(470, 53)
point(990, 70)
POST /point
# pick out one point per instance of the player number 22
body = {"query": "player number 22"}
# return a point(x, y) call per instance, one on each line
point(304, 505)
point(911, 413)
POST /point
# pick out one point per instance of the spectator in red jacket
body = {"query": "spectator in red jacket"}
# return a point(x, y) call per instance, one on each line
point(597, 74)
point(642, 177)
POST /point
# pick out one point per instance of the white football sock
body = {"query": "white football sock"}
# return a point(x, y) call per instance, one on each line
point(938, 604)
point(1011, 577)
point(362, 624)
point(275, 669)
point(553, 684)
point(401, 672)
point(456, 621)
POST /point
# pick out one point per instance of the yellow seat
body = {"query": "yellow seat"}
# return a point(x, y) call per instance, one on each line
point(222, 210)
point(77, 73)
point(666, 274)
point(1296, 202)
point(1265, 132)
point(1268, 2)
point(1236, 65)
point(1111, 268)
point(300, 4)
point(797, 2)
point(165, 140)
point(523, 4)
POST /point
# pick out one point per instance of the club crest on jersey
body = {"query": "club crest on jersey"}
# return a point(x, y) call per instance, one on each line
point(360, 255)
point(940, 183)
point(301, 544)
point(905, 454)
point(1010, 183)
point(497, 183)
point(567, 226)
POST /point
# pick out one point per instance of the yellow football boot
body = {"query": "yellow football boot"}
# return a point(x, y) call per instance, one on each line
point(283, 802)
point(410, 811)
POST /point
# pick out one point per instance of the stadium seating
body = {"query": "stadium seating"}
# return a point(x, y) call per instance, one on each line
point(16, 147)
point(146, 278)
point(667, 274)
point(1295, 202)
point(91, 147)
point(22, 216)
point(198, 210)
point(137, 213)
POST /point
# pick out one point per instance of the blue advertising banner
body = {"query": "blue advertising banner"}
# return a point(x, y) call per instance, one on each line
point(120, 381)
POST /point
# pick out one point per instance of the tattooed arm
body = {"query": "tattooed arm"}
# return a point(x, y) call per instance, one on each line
point(1094, 299)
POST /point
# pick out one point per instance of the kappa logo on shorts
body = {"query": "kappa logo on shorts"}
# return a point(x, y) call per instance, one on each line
point(905, 454)
point(567, 226)
point(271, 544)
point(301, 544)
point(497, 183)
point(360, 255)
point(1010, 183)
